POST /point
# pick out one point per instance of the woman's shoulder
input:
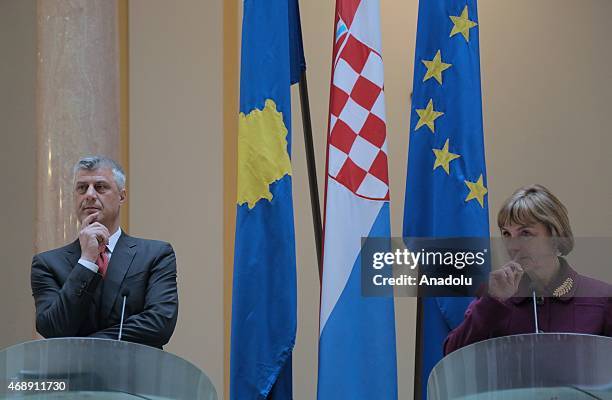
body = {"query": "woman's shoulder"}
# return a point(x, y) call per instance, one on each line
point(590, 287)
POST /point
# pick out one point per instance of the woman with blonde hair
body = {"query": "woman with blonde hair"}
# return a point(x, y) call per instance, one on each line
point(537, 234)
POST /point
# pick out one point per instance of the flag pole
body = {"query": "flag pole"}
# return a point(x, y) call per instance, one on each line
point(312, 170)
point(418, 352)
point(418, 347)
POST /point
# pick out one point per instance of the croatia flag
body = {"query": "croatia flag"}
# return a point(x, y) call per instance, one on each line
point(357, 358)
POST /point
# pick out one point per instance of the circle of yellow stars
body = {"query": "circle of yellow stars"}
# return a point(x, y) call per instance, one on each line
point(427, 116)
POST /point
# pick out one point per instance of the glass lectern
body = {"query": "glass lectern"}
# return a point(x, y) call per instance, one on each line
point(85, 368)
point(547, 366)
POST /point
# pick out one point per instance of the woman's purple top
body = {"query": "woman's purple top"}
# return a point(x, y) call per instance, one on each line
point(584, 306)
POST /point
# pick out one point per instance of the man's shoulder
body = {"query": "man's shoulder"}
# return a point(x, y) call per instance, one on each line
point(146, 243)
point(149, 251)
point(72, 247)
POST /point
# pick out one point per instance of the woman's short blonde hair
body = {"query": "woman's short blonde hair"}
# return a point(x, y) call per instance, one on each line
point(533, 204)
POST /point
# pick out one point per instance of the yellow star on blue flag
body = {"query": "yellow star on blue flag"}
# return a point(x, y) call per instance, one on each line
point(462, 24)
point(435, 68)
point(477, 191)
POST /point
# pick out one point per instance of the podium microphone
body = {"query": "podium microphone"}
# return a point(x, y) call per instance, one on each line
point(125, 292)
point(535, 312)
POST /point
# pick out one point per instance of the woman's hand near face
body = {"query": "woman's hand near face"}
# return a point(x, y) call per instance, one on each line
point(504, 282)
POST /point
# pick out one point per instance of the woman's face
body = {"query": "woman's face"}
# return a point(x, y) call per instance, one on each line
point(528, 245)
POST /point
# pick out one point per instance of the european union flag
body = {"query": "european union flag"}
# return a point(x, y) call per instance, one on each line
point(264, 289)
point(446, 185)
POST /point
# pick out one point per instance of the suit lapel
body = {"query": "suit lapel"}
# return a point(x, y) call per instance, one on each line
point(119, 264)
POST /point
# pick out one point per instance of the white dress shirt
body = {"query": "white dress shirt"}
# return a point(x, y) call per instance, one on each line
point(112, 241)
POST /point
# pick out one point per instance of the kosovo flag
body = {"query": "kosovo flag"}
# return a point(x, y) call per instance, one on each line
point(446, 185)
point(264, 287)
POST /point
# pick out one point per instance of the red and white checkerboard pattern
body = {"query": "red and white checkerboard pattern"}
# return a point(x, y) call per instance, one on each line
point(357, 138)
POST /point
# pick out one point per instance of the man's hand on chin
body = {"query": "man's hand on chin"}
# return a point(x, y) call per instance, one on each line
point(93, 237)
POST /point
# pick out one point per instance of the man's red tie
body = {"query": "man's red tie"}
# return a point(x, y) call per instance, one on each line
point(102, 263)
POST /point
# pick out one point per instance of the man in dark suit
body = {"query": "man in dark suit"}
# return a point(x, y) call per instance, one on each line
point(78, 289)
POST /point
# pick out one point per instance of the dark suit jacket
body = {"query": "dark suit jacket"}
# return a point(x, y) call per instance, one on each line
point(71, 300)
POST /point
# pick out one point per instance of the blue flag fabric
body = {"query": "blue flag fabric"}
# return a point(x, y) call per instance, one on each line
point(446, 194)
point(296, 46)
point(264, 286)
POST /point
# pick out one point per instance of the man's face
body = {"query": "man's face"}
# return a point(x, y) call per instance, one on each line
point(97, 192)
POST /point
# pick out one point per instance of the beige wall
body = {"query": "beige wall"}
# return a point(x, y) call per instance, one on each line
point(17, 167)
point(175, 182)
point(547, 98)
